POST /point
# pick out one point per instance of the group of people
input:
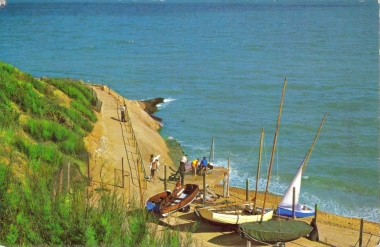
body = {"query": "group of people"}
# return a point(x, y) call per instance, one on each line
point(197, 164)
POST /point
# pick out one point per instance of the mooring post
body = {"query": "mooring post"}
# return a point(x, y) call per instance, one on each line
point(361, 233)
point(204, 188)
point(246, 189)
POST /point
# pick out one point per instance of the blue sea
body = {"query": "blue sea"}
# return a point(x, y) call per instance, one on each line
point(221, 66)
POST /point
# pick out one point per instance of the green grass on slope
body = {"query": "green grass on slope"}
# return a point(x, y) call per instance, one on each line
point(40, 134)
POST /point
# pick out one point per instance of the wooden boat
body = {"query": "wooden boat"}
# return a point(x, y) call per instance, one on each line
point(274, 231)
point(153, 203)
point(286, 208)
point(178, 199)
point(233, 214)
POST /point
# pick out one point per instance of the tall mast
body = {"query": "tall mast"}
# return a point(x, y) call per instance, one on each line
point(258, 166)
point(211, 158)
point(273, 149)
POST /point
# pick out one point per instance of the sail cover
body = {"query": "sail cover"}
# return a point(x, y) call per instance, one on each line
point(275, 231)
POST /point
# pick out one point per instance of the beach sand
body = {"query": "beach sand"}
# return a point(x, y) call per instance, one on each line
point(115, 146)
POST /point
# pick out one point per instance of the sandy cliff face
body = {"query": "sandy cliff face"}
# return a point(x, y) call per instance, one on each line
point(106, 140)
point(149, 140)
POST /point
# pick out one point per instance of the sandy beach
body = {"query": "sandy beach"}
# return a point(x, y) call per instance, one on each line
point(114, 144)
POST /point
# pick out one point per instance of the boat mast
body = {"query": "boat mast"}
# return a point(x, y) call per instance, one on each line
point(258, 167)
point(312, 146)
point(211, 158)
point(273, 149)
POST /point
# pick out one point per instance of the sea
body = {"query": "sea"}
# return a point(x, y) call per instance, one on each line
point(221, 66)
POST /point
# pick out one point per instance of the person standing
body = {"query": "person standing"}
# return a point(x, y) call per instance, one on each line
point(122, 109)
point(204, 165)
point(153, 170)
point(225, 185)
point(184, 159)
point(181, 170)
point(194, 166)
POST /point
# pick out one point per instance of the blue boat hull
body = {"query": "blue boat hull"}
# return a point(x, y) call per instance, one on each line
point(285, 211)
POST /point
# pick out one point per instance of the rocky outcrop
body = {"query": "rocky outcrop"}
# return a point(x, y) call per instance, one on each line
point(150, 107)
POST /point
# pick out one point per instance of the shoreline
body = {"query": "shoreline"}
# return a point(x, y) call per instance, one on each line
point(334, 230)
point(176, 152)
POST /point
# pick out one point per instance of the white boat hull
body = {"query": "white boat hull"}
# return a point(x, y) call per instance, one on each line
point(233, 217)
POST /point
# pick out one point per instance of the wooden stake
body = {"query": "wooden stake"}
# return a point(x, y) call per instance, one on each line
point(68, 177)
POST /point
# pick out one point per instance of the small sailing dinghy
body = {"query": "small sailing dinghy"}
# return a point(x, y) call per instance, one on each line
point(233, 214)
point(285, 208)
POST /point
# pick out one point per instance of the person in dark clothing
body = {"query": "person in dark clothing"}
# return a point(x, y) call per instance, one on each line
point(122, 110)
point(181, 170)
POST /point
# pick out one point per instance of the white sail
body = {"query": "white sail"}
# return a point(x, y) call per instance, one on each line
point(287, 200)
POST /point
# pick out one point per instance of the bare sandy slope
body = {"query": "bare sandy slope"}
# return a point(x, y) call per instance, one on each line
point(110, 141)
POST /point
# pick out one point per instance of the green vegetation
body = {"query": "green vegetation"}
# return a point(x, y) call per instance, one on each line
point(42, 126)
point(175, 150)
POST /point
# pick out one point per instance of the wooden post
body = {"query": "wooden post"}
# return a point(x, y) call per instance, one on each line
point(140, 185)
point(228, 182)
point(361, 233)
point(204, 188)
point(293, 204)
point(88, 166)
point(248, 243)
point(165, 181)
point(246, 189)
point(68, 177)
point(122, 171)
point(316, 211)
point(60, 180)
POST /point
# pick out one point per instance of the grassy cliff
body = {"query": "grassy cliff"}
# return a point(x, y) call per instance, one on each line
point(43, 160)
